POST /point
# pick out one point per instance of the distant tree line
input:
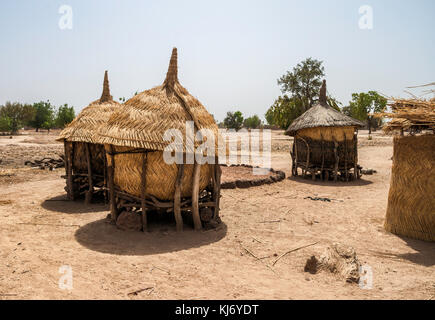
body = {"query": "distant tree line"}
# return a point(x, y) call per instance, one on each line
point(301, 87)
point(39, 115)
point(235, 120)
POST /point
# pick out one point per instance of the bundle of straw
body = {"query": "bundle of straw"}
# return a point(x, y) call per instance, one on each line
point(410, 113)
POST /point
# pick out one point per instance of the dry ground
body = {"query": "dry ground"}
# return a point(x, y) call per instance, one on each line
point(38, 235)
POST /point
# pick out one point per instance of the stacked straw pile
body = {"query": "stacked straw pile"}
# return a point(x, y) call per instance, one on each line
point(410, 114)
point(411, 203)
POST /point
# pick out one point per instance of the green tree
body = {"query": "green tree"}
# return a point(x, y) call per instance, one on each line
point(253, 122)
point(233, 120)
point(5, 123)
point(15, 115)
point(44, 116)
point(284, 111)
point(363, 105)
point(64, 116)
point(304, 82)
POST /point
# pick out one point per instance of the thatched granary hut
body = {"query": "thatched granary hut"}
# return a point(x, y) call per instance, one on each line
point(85, 160)
point(325, 142)
point(139, 178)
point(411, 200)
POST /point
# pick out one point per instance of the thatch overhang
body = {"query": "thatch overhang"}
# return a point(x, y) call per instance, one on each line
point(84, 127)
point(143, 120)
point(322, 115)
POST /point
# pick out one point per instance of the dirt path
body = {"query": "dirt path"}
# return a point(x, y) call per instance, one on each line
point(38, 236)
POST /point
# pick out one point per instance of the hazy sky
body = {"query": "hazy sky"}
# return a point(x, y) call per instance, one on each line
point(230, 52)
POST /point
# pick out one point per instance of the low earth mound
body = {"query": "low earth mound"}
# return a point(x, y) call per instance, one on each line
point(246, 176)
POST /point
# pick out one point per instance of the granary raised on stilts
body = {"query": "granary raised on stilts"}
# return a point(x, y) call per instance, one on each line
point(411, 200)
point(140, 180)
point(85, 160)
point(325, 143)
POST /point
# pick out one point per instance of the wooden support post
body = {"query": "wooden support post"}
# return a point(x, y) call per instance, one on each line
point(143, 193)
point(111, 174)
point(69, 169)
point(195, 196)
point(337, 159)
point(216, 187)
point(296, 156)
point(355, 156)
point(105, 176)
point(177, 197)
point(88, 196)
point(345, 157)
point(323, 156)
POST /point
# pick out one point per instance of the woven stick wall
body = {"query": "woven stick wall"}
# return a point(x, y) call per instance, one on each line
point(411, 202)
point(160, 177)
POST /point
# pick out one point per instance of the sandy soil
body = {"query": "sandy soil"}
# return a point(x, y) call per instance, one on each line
point(39, 233)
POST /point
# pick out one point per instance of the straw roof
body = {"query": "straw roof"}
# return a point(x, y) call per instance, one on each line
point(143, 120)
point(84, 127)
point(410, 113)
point(322, 115)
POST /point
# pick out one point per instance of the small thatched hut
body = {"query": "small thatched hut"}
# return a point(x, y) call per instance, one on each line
point(411, 201)
point(325, 142)
point(85, 160)
point(139, 178)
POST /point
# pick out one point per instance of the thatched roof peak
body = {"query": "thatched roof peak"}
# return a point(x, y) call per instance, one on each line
point(143, 120)
point(322, 96)
point(322, 115)
point(105, 96)
point(84, 127)
point(172, 74)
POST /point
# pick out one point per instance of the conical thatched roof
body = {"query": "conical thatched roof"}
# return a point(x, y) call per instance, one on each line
point(322, 115)
point(143, 120)
point(84, 127)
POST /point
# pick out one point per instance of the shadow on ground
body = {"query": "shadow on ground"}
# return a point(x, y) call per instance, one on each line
point(62, 204)
point(360, 182)
point(104, 237)
point(425, 254)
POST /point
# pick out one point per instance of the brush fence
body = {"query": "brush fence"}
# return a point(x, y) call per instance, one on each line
point(85, 166)
point(140, 180)
point(411, 202)
point(328, 152)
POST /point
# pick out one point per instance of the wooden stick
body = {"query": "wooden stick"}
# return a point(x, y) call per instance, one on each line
point(217, 187)
point(323, 156)
point(296, 156)
point(345, 157)
point(143, 187)
point(88, 197)
point(293, 250)
point(111, 174)
point(177, 198)
point(105, 176)
point(337, 159)
point(195, 196)
point(69, 173)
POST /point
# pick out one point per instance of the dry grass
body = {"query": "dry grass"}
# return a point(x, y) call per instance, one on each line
point(409, 113)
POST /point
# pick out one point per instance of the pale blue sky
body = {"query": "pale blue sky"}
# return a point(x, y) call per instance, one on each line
point(230, 52)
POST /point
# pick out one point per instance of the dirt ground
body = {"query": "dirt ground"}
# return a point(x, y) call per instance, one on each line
point(40, 233)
